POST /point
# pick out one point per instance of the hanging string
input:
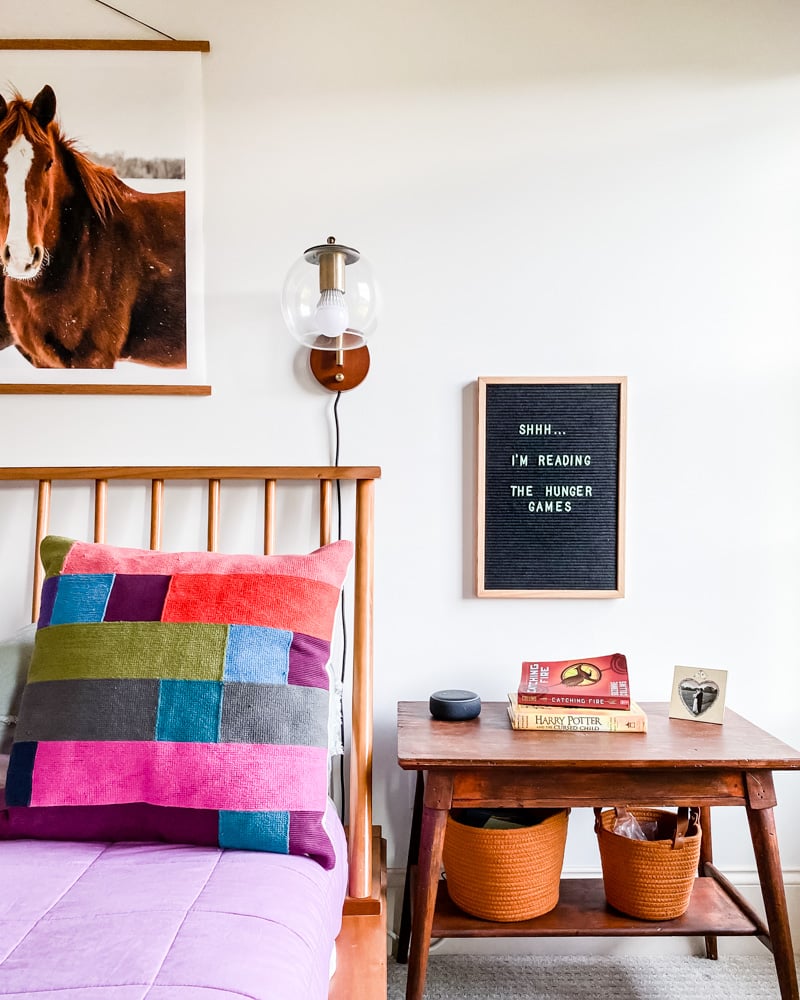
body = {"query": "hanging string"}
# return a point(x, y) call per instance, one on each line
point(130, 17)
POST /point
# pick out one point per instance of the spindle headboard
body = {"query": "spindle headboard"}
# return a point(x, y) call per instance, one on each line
point(45, 479)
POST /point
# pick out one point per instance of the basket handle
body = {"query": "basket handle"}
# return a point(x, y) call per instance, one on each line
point(681, 826)
point(686, 816)
point(597, 813)
point(619, 811)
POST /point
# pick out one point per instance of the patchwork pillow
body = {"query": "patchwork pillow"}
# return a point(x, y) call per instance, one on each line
point(191, 683)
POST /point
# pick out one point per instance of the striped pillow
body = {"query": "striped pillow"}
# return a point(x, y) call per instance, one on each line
point(187, 681)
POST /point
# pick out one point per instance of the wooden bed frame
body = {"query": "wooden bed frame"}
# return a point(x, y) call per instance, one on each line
point(361, 946)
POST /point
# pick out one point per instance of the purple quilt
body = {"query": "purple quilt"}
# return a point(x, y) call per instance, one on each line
point(129, 921)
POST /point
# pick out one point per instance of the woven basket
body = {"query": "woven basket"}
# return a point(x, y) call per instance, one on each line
point(505, 875)
point(650, 879)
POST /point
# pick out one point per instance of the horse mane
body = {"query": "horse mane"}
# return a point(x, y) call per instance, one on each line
point(102, 186)
point(103, 189)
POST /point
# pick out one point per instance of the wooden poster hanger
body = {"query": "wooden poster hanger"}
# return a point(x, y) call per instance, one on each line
point(120, 44)
point(165, 44)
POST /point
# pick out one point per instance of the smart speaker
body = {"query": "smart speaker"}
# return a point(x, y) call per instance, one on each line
point(455, 706)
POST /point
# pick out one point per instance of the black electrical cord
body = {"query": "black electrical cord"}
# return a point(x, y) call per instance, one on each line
point(343, 666)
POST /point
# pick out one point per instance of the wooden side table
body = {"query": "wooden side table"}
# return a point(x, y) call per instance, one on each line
point(484, 762)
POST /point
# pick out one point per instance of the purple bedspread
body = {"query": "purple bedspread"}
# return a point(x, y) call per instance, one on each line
point(89, 921)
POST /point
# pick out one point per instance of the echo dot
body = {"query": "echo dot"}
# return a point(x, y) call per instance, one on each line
point(455, 706)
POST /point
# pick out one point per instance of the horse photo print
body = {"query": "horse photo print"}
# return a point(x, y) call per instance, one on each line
point(101, 260)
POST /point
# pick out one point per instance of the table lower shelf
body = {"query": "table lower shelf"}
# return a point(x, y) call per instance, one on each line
point(582, 911)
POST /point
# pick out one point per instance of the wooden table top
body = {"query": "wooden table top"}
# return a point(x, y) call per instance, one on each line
point(489, 741)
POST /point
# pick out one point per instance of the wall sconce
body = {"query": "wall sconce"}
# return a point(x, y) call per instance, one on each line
point(331, 312)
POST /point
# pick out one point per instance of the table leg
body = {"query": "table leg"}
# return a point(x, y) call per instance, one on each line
point(707, 855)
point(438, 795)
point(404, 934)
point(761, 799)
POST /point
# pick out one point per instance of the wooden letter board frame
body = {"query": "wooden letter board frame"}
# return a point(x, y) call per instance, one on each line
point(551, 487)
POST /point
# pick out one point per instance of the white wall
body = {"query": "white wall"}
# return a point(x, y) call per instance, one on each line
point(589, 187)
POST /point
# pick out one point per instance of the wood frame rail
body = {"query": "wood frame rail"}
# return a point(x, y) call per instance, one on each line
point(360, 838)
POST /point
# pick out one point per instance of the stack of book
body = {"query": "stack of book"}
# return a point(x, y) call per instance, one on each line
point(589, 695)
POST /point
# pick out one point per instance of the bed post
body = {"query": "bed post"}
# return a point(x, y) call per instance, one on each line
point(360, 819)
point(361, 946)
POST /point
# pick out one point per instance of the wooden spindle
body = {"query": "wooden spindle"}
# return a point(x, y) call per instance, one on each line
point(100, 509)
point(42, 526)
point(213, 515)
point(156, 514)
point(269, 516)
point(325, 504)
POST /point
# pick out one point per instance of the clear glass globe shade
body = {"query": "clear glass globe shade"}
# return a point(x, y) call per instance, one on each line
point(301, 297)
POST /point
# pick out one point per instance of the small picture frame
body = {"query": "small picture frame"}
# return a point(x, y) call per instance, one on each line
point(698, 694)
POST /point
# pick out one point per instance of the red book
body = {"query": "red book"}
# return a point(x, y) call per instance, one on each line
point(601, 682)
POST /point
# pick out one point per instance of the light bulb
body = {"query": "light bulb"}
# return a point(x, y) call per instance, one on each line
point(331, 315)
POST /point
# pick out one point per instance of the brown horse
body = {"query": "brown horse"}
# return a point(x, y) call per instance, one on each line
point(95, 272)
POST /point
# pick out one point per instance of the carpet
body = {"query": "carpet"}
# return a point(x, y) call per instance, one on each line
point(499, 977)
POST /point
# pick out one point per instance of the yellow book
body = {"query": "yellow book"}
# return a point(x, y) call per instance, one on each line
point(576, 720)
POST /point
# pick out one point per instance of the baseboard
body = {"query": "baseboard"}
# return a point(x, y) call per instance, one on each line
point(745, 879)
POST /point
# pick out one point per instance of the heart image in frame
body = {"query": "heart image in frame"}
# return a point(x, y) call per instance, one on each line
point(698, 696)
